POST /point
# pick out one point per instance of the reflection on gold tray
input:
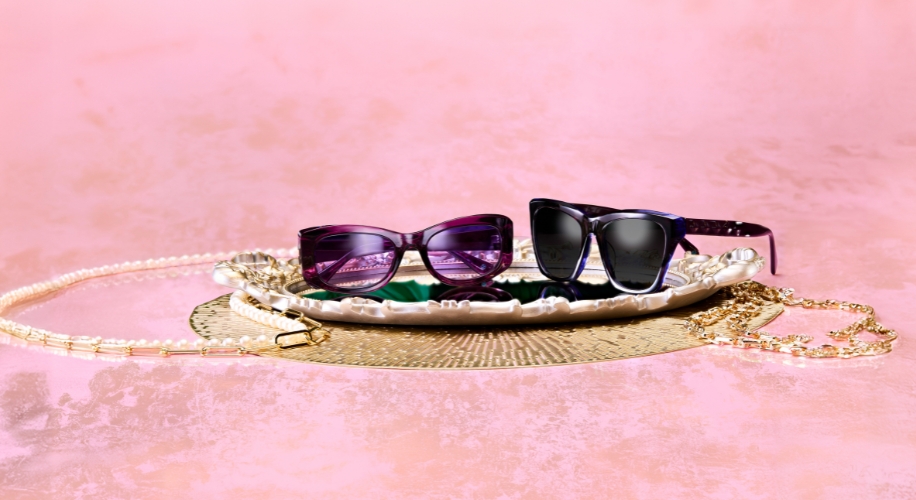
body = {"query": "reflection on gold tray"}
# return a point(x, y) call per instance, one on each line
point(425, 347)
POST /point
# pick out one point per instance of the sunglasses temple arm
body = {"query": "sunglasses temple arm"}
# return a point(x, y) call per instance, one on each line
point(479, 265)
point(689, 247)
point(356, 253)
point(707, 227)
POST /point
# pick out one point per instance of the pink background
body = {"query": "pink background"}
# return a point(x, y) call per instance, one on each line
point(131, 130)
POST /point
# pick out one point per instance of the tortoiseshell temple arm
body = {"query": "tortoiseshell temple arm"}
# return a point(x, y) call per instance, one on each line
point(733, 228)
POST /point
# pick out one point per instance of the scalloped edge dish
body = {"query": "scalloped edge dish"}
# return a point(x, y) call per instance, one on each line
point(689, 280)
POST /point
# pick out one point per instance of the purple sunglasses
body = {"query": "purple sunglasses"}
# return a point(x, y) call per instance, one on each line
point(358, 259)
point(636, 246)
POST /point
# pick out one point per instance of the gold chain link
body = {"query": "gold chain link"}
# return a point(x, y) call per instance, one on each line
point(746, 302)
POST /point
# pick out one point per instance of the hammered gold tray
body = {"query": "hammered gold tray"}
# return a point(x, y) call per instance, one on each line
point(426, 347)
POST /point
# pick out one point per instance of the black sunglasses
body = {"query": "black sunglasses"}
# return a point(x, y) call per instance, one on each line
point(636, 246)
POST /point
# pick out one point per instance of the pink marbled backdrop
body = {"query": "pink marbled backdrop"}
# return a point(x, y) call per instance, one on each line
point(131, 130)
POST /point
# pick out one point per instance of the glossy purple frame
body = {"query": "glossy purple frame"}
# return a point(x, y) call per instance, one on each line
point(593, 219)
point(308, 238)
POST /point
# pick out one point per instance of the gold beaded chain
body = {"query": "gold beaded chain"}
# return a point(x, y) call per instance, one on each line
point(299, 330)
point(746, 301)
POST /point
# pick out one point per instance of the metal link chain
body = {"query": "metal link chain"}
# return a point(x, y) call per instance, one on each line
point(747, 300)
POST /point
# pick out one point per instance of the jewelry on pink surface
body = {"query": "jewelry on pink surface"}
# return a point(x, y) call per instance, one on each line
point(213, 347)
point(297, 329)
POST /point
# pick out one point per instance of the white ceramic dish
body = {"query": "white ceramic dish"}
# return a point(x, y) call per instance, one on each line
point(689, 280)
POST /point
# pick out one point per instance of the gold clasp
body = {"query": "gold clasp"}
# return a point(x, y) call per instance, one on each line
point(311, 336)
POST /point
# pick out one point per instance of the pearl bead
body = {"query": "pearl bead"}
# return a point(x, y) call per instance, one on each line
point(13, 297)
point(212, 342)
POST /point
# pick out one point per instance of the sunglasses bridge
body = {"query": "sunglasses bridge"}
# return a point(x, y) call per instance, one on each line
point(412, 241)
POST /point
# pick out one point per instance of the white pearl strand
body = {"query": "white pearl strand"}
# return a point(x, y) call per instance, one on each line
point(239, 305)
point(211, 347)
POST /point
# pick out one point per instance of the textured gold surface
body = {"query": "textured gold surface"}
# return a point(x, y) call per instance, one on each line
point(475, 347)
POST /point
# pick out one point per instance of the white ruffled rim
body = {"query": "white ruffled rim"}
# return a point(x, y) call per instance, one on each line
point(697, 277)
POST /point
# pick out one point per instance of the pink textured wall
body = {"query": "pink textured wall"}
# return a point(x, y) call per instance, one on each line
point(131, 130)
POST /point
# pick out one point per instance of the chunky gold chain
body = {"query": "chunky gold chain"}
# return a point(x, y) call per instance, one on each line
point(746, 302)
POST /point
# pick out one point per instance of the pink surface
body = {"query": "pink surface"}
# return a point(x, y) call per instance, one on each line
point(132, 130)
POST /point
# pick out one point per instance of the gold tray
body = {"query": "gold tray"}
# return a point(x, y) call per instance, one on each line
point(476, 347)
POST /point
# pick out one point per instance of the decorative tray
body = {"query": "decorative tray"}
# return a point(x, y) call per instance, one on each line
point(278, 283)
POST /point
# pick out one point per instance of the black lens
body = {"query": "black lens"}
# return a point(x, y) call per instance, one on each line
point(559, 240)
point(635, 251)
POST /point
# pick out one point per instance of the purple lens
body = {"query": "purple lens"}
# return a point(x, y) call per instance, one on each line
point(465, 252)
point(354, 260)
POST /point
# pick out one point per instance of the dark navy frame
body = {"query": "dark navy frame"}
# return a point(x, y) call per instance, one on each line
point(593, 219)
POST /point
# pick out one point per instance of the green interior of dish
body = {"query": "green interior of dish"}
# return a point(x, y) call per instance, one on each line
point(524, 291)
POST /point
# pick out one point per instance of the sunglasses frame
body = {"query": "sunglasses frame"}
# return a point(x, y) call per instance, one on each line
point(594, 219)
point(310, 237)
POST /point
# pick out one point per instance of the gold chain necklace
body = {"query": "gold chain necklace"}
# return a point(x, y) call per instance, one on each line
point(746, 301)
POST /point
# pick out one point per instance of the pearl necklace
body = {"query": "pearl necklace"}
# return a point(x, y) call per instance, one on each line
point(239, 303)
